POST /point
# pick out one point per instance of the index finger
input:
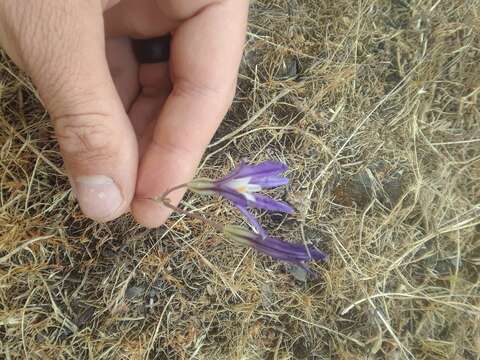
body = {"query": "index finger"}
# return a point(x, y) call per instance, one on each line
point(205, 55)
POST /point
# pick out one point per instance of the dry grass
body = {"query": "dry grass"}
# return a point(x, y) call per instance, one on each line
point(375, 106)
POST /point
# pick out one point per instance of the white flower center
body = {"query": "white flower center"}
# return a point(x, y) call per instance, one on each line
point(243, 186)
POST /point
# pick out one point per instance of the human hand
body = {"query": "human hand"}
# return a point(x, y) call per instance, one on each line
point(128, 131)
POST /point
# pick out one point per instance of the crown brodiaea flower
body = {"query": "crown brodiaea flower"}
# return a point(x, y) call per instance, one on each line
point(242, 185)
point(278, 249)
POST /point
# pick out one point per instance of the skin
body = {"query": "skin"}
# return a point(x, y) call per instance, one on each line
point(143, 126)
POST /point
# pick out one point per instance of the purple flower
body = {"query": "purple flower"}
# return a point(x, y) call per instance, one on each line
point(242, 185)
point(278, 249)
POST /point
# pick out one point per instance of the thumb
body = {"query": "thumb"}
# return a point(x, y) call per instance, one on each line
point(61, 46)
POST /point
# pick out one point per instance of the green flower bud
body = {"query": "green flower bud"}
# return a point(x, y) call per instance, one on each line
point(239, 234)
point(201, 186)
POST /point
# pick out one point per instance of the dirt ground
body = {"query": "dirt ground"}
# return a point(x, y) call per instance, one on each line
point(375, 107)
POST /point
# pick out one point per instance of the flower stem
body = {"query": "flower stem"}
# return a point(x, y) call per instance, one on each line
point(169, 191)
point(163, 199)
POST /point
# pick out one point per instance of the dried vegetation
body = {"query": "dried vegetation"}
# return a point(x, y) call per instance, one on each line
point(375, 107)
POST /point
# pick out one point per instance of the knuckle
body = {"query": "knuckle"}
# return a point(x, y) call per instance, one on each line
point(187, 88)
point(176, 149)
point(182, 10)
point(85, 137)
point(220, 96)
point(143, 30)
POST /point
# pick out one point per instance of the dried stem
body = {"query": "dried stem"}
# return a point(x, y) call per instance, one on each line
point(163, 199)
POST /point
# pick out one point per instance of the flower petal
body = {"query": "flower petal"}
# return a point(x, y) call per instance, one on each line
point(270, 182)
point(264, 169)
point(253, 221)
point(235, 197)
point(267, 203)
point(259, 202)
point(282, 250)
point(276, 248)
point(234, 173)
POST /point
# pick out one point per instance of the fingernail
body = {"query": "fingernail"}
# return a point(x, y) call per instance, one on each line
point(98, 196)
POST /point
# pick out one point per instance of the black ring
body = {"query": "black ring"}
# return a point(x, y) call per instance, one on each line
point(151, 51)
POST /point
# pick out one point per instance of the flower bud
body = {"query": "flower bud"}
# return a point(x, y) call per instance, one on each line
point(240, 234)
point(201, 186)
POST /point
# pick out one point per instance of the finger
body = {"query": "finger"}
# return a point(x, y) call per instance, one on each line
point(151, 18)
point(155, 83)
point(205, 55)
point(137, 19)
point(123, 69)
point(68, 65)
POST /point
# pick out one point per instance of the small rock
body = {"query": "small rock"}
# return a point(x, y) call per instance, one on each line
point(152, 293)
point(251, 59)
point(392, 191)
point(297, 272)
point(134, 291)
point(289, 68)
point(377, 181)
point(356, 190)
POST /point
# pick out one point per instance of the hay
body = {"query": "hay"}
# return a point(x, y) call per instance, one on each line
point(375, 107)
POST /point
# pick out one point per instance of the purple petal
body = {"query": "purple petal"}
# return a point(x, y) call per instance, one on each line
point(270, 182)
point(253, 221)
point(301, 249)
point(276, 248)
point(234, 173)
point(235, 197)
point(261, 201)
point(267, 203)
point(264, 169)
point(281, 250)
